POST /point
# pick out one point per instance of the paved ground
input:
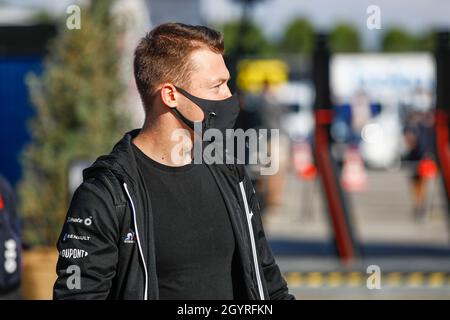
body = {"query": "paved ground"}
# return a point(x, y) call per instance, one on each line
point(414, 258)
point(398, 278)
point(383, 213)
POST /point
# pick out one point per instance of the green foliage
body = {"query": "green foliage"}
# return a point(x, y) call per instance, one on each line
point(427, 42)
point(75, 118)
point(399, 40)
point(345, 38)
point(42, 17)
point(298, 37)
point(245, 38)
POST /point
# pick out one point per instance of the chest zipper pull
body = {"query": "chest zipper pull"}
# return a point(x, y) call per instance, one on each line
point(210, 121)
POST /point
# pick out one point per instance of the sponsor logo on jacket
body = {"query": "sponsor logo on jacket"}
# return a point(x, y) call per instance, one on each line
point(85, 221)
point(129, 238)
point(76, 237)
point(73, 253)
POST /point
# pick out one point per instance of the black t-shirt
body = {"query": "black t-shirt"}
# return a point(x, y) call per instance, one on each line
point(194, 240)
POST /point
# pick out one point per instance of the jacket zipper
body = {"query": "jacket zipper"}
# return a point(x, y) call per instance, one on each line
point(139, 242)
point(252, 240)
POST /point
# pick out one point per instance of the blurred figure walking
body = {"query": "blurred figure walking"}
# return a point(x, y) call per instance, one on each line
point(419, 137)
point(271, 112)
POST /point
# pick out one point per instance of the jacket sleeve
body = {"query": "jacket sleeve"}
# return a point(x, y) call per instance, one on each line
point(276, 285)
point(87, 246)
point(10, 202)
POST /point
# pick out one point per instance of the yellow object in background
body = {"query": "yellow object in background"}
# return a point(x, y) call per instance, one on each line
point(252, 73)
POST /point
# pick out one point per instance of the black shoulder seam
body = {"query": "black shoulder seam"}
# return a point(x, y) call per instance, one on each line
point(109, 180)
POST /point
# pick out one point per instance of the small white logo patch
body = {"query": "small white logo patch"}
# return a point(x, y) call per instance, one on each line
point(129, 238)
point(73, 253)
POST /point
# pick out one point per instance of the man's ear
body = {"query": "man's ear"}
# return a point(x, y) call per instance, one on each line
point(169, 95)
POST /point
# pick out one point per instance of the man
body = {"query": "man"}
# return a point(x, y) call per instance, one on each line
point(150, 223)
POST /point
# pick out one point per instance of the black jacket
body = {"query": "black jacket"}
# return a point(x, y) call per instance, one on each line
point(10, 240)
point(107, 211)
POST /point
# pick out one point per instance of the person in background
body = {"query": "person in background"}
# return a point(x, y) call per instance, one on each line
point(271, 112)
point(419, 137)
point(10, 244)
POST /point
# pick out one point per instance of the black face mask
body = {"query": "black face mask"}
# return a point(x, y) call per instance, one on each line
point(218, 114)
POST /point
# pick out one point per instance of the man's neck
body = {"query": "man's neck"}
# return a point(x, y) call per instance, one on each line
point(166, 143)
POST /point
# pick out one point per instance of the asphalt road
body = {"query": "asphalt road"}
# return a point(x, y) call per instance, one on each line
point(413, 258)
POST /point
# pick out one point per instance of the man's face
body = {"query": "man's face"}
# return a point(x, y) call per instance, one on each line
point(208, 80)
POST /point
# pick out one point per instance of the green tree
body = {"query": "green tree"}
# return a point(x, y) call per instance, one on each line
point(397, 39)
point(245, 38)
point(75, 118)
point(298, 37)
point(345, 38)
point(42, 17)
point(427, 42)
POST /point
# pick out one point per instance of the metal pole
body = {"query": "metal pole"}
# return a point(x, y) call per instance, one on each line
point(442, 56)
point(337, 208)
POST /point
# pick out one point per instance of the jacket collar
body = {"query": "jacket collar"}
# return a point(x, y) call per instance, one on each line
point(121, 161)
